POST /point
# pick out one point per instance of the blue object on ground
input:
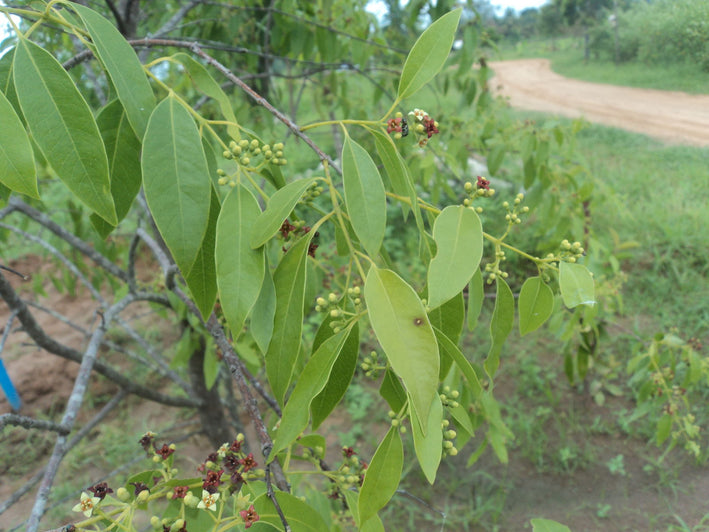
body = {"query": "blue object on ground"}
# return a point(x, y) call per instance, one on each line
point(10, 392)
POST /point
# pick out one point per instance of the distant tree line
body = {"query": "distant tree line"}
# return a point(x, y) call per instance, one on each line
point(650, 31)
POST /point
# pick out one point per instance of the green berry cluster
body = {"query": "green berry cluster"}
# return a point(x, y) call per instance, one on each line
point(247, 154)
point(515, 210)
point(371, 365)
point(449, 435)
point(396, 421)
point(448, 397)
point(569, 252)
point(311, 193)
point(349, 475)
point(481, 189)
point(492, 269)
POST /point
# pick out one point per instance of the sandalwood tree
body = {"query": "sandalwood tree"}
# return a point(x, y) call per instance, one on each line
point(280, 241)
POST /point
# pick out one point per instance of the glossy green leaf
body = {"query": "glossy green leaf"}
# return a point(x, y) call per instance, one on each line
point(402, 327)
point(202, 277)
point(340, 377)
point(428, 445)
point(428, 54)
point(476, 296)
point(458, 234)
point(176, 180)
point(451, 350)
point(17, 169)
point(279, 207)
point(500, 325)
point(300, 515)
point(206, 84)
point(536, 302)
point(364, 195)
point(382, 476)
point(240, 269)
point(123, 67)
point(547, 525)
point(123, 151)
point(289, 282)
point(63, 127)
point(310, 383)
point(576, 285)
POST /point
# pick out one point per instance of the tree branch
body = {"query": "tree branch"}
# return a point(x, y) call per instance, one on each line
point(72, 408)
point(32, 328)
point(16, 204)
point(31, 423)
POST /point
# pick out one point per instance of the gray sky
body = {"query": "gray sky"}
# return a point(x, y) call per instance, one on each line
point(517, 4)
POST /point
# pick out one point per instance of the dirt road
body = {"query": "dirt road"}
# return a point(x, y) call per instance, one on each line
point(674, 117)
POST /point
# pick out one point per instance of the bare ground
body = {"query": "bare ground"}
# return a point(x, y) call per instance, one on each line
point(673, 117)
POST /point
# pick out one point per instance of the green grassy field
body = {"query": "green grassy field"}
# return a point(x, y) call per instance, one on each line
point(567, 60)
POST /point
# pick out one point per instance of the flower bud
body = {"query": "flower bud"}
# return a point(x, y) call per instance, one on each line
point(123, 494)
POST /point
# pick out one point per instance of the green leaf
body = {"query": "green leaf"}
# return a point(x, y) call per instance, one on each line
point(449, 317)
point(495, 158)
point(398, 172)
point(300, 515)
point(458, 234)
point(500, 325)
point(240, 269)
point(536, 302)
point(428, 54)
point(392, 391)
point(123, 150)
point(310, 383)
point(428, 445)
point(123, 67)
point(664, 428)
point(263, 312)
point(289, 281)
point(498, 434)
point(364, 195)
point(210, 367)
point(373, 524)
point(450, 349)
point(340, 378)
point(206, 84)
point(202, 277)
point(476, 296)
point(17, 169)
point(401, 325)
point(576, 285)
point(547, 525)
point(63, 127)
point(278, 209)
point(382, 476)
point(176, 180)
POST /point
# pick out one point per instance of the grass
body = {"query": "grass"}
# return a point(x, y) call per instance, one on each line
point(567, 60)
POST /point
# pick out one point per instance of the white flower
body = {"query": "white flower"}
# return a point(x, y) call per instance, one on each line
point(87, 504)
point(209, 500)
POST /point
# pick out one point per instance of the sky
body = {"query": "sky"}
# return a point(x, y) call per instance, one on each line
point(517, 5)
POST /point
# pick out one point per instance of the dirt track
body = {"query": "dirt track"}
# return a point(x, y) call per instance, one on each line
point(674, 117)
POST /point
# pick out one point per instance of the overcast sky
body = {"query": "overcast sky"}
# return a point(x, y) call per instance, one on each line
point(517, 4)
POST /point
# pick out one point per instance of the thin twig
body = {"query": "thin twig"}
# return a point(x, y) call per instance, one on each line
point(17, 204)
point(264, 103)
point(31, 423)
point(33, 329)
point(72, 408)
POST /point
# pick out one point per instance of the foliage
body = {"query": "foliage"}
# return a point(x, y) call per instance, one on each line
point(249, 242)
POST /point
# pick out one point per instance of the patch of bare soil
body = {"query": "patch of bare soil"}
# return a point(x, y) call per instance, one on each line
point(674, 117)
